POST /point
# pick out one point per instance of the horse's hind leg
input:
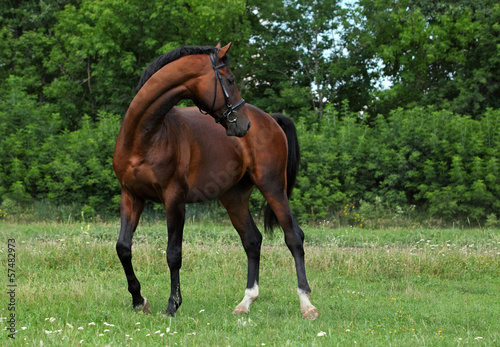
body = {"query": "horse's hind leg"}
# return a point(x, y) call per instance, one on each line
point(131, 209)
point(236, 204)
point(294, 239)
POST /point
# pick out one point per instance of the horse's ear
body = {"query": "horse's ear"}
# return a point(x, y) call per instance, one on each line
point(223, 50)
point(218, 45)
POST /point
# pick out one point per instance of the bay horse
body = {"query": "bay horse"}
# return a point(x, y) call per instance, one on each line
point(175, 155)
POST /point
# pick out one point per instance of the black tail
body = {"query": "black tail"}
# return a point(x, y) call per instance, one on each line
point(292, 166)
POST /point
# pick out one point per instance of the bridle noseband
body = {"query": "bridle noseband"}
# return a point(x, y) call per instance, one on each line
point(230, 108)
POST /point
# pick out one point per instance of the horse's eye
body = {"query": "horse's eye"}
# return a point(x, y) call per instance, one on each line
point(230, 81)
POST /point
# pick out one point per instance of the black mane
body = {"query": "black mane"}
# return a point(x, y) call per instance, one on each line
point(170, 57)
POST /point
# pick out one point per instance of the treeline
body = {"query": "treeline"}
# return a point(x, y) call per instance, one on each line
point(416, 162)
point(396, 103)
point(419, 162)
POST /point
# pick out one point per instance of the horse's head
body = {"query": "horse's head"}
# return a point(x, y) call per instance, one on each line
point(220, 97)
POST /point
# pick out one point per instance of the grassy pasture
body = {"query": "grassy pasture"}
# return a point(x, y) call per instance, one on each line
point(372, 288)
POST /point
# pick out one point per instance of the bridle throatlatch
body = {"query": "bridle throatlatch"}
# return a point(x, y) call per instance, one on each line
point(231, 116)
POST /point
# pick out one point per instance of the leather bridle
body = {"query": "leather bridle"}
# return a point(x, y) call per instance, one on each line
point(230, 108)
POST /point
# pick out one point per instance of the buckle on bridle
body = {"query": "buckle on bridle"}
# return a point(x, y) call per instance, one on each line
point(230, 112)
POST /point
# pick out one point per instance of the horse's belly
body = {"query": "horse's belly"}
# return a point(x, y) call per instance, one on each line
point(214, 182)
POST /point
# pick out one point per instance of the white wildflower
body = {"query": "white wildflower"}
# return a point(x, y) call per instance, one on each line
point(321, 334)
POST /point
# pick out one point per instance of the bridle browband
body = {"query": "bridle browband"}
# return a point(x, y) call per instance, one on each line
point(230, 108)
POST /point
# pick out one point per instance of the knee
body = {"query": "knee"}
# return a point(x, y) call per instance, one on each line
point(123, 249)
point(174, 258)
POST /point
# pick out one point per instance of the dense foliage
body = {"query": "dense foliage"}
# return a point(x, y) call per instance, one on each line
point(430, 160)
point(396, 103)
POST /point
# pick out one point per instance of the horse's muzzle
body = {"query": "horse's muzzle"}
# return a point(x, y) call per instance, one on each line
point(238, 128)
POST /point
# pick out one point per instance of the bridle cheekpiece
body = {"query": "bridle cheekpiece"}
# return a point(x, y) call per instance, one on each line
point(231, 116)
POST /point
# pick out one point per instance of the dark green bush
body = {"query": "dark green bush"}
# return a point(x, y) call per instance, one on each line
point(443, 163)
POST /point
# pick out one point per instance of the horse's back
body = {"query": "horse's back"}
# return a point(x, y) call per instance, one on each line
point(264, 144)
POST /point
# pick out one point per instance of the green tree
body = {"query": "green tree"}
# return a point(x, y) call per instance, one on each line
point(86, 56)
point(439, 53)
point(295, 44)
point(26, 38)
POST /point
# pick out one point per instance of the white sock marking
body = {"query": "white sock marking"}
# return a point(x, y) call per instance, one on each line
point(305, 303)
point(251, 294)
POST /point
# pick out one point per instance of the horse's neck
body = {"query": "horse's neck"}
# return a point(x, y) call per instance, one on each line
point(158, 95)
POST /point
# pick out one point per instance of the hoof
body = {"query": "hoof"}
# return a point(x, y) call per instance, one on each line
point(169, 314)
point(240, 310)
point(251, 294)
point(171, 310)
point(144, 307)
point(311, 313)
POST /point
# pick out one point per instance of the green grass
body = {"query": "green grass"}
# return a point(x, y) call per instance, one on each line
point(372, 288)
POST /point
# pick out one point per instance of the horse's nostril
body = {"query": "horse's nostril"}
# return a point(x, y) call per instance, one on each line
point(248, 127)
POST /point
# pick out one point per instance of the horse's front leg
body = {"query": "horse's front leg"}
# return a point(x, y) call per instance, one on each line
point(175, 224)
point(130, 210)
